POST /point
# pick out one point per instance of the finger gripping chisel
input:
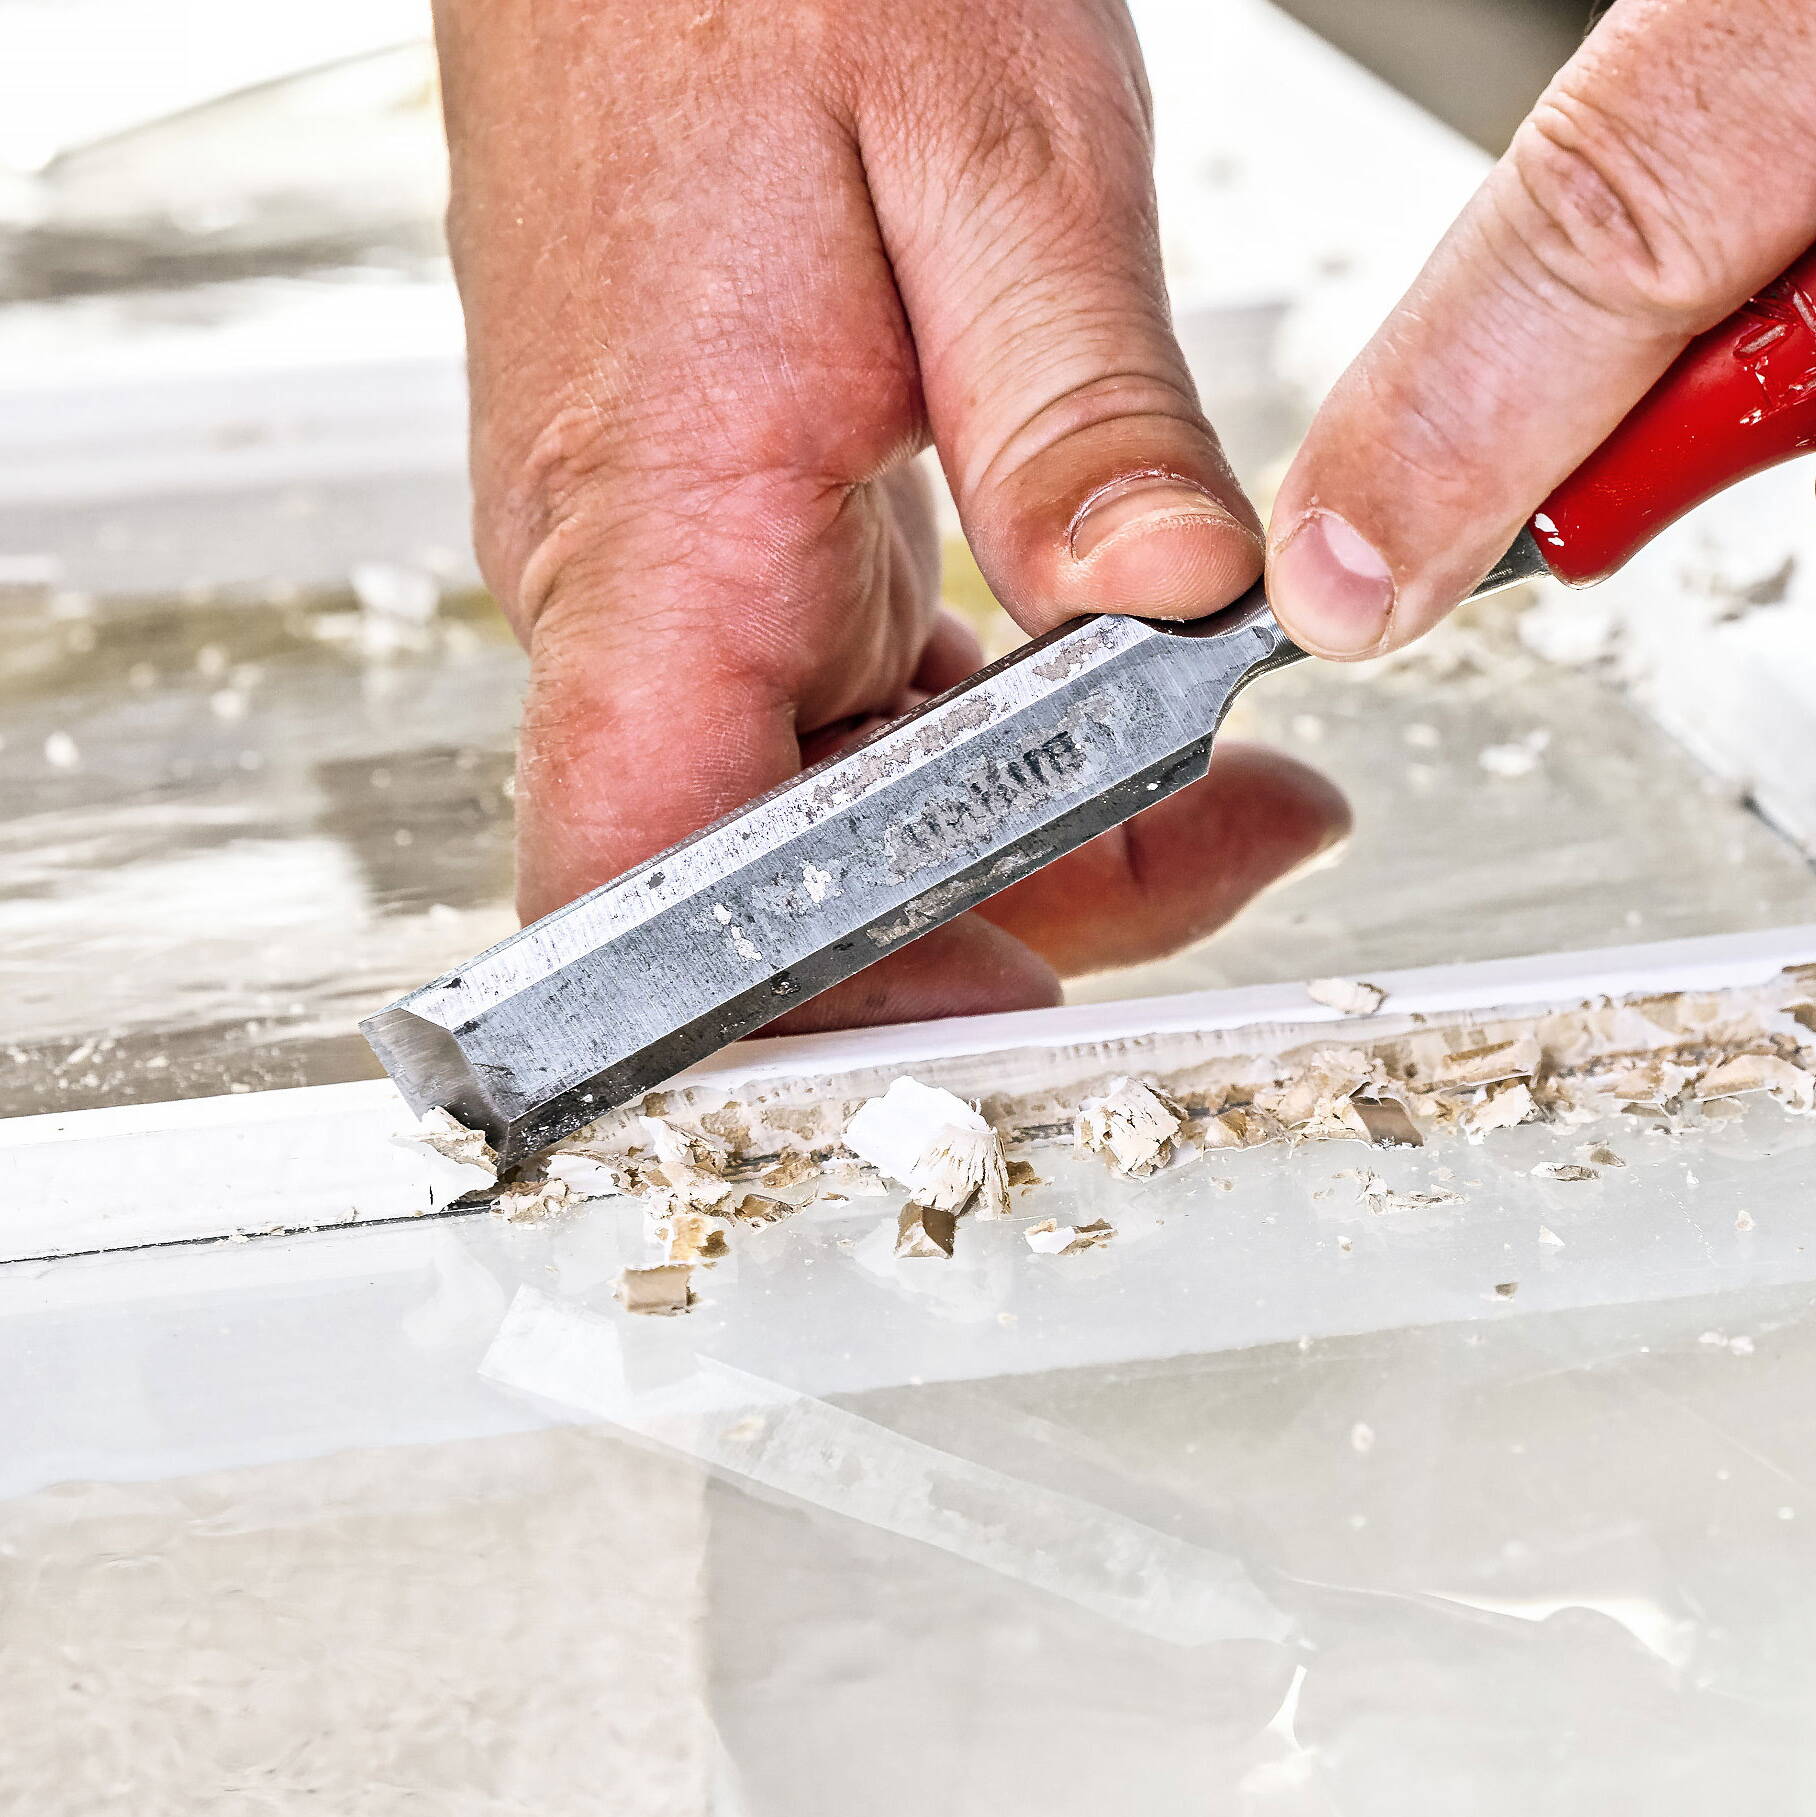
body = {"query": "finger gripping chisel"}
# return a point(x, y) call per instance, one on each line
point(1067, 737)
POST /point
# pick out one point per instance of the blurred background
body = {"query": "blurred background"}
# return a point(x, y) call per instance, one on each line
point(257, 715)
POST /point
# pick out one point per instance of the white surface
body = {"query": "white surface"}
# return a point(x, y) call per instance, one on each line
point(206, 1169)
point(894, 1132)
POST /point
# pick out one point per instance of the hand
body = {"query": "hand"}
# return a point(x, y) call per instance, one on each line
point(1665, 177)
point(728, 265)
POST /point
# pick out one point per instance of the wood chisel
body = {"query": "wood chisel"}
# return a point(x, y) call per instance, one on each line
point(1067, 737)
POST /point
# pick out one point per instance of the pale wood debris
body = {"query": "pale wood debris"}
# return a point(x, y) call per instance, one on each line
point(691, 1165)
point(593, 1176)
point(936, 1145)
point(688, 1236)
point(1472, 1075)
point(1501, 1107)
point(1352, 996)
point(658, 1292)
point(1241, 1127)
point(1133, 1126)
point(1051, 1238)
point(755, 1209)
point(1792, 1086)
point(1319, 1104)
point(531, 1201)
point(1379, 1197)
point(442, 1133)
point(1388, 1122)
point(789, 1169)
point(924, 1231)
point(1438, 1066)
point(964, 1170)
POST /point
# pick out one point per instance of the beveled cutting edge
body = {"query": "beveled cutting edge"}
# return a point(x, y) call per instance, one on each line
point(1028, 759)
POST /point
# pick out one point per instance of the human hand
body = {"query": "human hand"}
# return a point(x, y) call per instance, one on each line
point(1664, 178)
point(728, 265)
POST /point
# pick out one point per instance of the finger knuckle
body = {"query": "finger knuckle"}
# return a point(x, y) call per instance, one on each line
point(1600, 211)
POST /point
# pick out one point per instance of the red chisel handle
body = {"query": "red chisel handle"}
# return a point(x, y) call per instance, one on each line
point(1739, 399)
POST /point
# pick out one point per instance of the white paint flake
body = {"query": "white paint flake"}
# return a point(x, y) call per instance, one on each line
point(1132, 1126)
point(442, 1133)
point(1352, 996)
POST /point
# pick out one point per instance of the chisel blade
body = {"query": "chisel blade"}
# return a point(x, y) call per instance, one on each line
point(601, 1001)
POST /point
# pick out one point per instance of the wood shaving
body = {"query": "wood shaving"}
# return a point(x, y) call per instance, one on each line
point(756, 1209)
point(966, 1172)
point(1240, 1128)
point(1352, 996)
point(1133, 1127)
point(1603, 1156)
point(791, 1169)
point(688, 1236)
point(1505, 1290)
point(691, 1165)
point(936, 1145)
point(1437, 1066)
point(1501, 1107)
point(1792, 1086)
point(593, 1177)
point(1564, 1170)
point(925, 1231)
point(532, 1201)
point(1380, 1197)
point(442, 1133)
point(1413, 1201)
point(659, 1292)
point(1051, 1238)
point(1388, 1122)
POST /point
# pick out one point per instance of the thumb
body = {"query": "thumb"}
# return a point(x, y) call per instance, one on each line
point(1021, 228)
point(1663, 178)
